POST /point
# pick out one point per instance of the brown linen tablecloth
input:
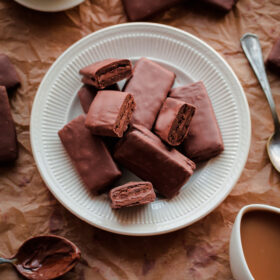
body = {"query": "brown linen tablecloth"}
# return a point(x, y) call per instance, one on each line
point(33, 41)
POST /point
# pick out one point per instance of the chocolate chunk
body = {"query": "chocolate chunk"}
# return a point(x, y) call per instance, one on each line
point(87, 93)
point(149, 85)
point(224, 5)
point(204, 139)
point(8, 139)
point(273, 61)
point(132, 194)
point(89, 155)
point(144, 154)
point(110, 113)
point(141, 9)
point(106, 72)
point(173, 121)
point(8, 74)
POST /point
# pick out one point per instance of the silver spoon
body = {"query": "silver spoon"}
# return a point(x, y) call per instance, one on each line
point(252, 49)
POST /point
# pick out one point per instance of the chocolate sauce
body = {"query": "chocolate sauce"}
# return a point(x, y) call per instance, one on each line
point(260, 235)
point(46, 257)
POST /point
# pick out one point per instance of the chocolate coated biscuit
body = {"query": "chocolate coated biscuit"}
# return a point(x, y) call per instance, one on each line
point(8, 74)
point(89, 155)
point(173, 121)
point(8, 139)
point(141, 9)
point(107, 72)
point(273, 61)
point(204, 139)
point(110, 113)
point(149, 85)
point(144, 154)
point(87, 93)
point(224, 5)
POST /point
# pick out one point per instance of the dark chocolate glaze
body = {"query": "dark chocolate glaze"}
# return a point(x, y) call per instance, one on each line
point(8, 139)
point(89, 155)
point(273, 61)
point(204, 139)
point(46, 257)
point(110, 113)
point(144, 154)
point(224, 5)
point(132, 194)
point(149, 85)
point(8, 74)
point(173, 121)
point(141, 9)
point(87, 93)
point(107, 72)
point(110, 143)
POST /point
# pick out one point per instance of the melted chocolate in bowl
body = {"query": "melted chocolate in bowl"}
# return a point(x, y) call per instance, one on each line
point(46, 257)
point(260, 236)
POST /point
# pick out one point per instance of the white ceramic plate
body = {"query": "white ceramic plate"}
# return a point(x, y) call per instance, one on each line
point(49, 5)
point(56, 103)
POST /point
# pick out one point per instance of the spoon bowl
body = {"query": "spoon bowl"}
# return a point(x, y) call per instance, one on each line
point(45, 257)
point(273, 150)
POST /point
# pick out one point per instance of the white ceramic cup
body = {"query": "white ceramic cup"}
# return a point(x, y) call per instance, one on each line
point(238, 264)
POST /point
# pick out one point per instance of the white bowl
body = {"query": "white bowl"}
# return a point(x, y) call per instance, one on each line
point(238, 264)
point(48, 5)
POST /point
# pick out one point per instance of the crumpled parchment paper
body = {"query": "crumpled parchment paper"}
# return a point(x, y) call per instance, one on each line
point(33, 41)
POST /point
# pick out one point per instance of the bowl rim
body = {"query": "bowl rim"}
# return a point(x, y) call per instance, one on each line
point(51, 8)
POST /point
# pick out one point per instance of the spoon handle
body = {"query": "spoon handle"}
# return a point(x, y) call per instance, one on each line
point(252, 49)
point(2, 260)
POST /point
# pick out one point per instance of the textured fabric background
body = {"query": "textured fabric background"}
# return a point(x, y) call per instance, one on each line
point(33, 41)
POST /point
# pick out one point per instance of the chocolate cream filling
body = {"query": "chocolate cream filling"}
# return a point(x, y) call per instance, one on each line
point(132, 195)
point(180, 125)
point(124, 116)
point(112, 74)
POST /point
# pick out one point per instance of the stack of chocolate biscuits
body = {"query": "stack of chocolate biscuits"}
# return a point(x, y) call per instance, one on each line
point(148, 121)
